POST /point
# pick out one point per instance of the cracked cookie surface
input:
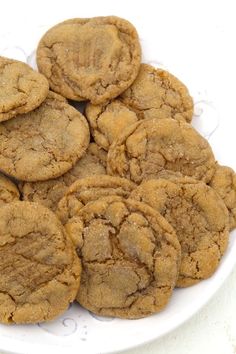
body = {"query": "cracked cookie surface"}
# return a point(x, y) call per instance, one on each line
point(89, 189)
point(21, 88)
point(39, 268)
point(156, 93)
point(90, 59)
point(8, 191)
point(150, 146)
point(49, 193)
point(130, 257)
point(224, 183)
point(199, 218)
point(44, 143)
point(108, 121)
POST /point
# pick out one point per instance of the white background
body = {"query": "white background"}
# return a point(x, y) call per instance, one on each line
point(195, 40)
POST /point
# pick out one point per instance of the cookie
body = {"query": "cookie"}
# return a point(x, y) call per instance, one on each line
point(48, 193)
point(21, 88)
point(130, 257)
point(91, 58)
point(150, 146)
point(8, 191)
point(44, 143)
point(156, 93)
point(39, 269)
point(199, 218)
point(89, 189)
point(224, 183)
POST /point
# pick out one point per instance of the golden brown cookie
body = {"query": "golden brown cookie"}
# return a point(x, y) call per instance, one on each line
point(90, 58)
point(8, 191)
point(89, 189)
point(48, 193)
point(44, 143)
point(156, 93)
point(39, 269)
point(21, 88)
point(224, 183)
point(150, 146)
point(130, 257)
point(199, 217)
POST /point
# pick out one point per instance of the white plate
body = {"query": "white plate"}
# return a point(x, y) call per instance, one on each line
point(77, 331)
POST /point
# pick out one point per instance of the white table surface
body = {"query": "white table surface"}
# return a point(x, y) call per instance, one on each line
point(196, 41)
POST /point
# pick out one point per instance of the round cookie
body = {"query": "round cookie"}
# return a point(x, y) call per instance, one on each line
point(39, 269)
point(21, 88)
point(44, 143)
point(48, 193)
point(90, 58)
point(150, 146)
point(8, 191)
point(130, 257)
point(90, 189)
point(156, 93)
point(199, 218)
point(224, 183)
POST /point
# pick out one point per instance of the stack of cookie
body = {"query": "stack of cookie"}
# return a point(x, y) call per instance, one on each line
point(113, 208)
